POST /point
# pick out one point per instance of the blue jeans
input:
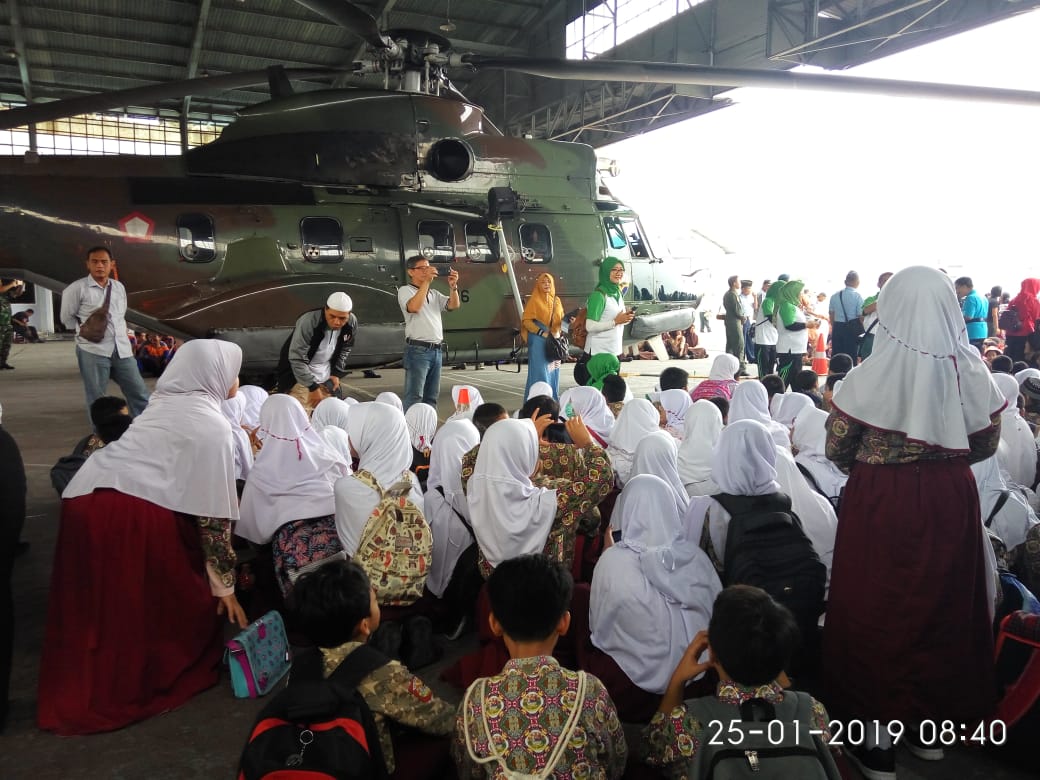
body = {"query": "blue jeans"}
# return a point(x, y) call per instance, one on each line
point(96, 370)
point(538, 366)
point(422, 375)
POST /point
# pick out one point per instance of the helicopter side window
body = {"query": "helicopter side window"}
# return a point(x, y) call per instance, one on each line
point(481, 242)
point(615, 233)
point(636, 242)
point(437, 241)
point(322, 239)
point(195, 239)
point(535, 243)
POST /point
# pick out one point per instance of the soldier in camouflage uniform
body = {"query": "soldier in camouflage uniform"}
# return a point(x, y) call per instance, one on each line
point(7, 291)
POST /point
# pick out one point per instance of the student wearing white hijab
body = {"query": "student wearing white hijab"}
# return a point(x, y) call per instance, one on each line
point(379, 434)
point(1017, 451)
point(810, 440)
point(638, 418)
point(513, 515)
point(751, 402)
point(233, 408)
point(145, 529)
point(330, 411)
point(335, 439)
point(906, 424)
point(288, 497)
point(465, 410)
point(591, 406)
point(422, 426)
point(254, 397)
point(447, 509)
point(721, 381)
point(657, 454)
point(819, 520)
point(789, 407)
point(538, 388)
point(1015, 518)
point(644, 608)
point(674, 405)
point(391, 399)
point(702, 429)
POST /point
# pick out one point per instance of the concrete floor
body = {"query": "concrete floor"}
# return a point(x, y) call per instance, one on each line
point(43, 408)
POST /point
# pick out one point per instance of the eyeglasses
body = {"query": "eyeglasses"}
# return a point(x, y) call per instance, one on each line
point(419, 267)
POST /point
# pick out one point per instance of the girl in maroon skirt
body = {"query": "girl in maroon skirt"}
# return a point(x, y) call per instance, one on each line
point(908, 633)
point(143, 566)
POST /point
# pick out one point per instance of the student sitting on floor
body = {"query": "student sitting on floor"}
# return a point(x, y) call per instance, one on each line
point(536, 717)
point(336, 609)
point(749, 641)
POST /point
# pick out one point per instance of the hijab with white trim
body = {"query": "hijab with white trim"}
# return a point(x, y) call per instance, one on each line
point(592, 406)
point(422, 425)
point(702, 429)
point(510, 515)
point(751, 402)
point(450, 535)
point(178, 453)
point(923, 378)
point(810, 439)
point(233, 408)
point(1017, 451)
point(254, 397)
point(657, 454)
point(638, 591)
point(638, 418)
point(293, 475)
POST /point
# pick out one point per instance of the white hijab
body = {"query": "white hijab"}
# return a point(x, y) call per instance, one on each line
point(390, 399)
point(751, 402)
point(1017, 451)
point(510, 515)
point(232, 409)
point(1016, 517)
point(702, 428)
point(657, 454)
point(819, 520)
point(450, 535)
point(725, 366)
point(790, 406)
point(178, 453)
point(638, 418)
point(539, 388)
point(475, 400)
point(675, 403)
point(639, 592)
point(330, 411)
point(1027, 373)
point(422, 425)
point(923, 378)
point(336, 440)
point(293, 475)
point(810, 439)
point(592, 406)
point(254, 397)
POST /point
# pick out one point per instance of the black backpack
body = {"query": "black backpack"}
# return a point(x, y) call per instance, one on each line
point(766, 547)
point(318, 728)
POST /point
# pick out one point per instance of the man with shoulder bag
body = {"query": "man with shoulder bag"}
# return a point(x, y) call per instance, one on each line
point(846, 317)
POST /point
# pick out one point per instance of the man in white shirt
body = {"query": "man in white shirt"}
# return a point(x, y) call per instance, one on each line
point(112, 357)
point(423, 330)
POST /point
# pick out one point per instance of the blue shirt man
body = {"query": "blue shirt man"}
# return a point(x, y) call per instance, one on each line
point(846, 307)
point(975, 309)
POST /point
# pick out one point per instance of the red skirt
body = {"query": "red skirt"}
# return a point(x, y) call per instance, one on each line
point(132, 628)
point(908, 635)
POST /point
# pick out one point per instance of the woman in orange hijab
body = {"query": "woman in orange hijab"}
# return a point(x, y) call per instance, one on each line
point(543, 315)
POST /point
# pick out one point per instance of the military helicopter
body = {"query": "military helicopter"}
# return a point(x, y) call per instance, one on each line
point(327, 190)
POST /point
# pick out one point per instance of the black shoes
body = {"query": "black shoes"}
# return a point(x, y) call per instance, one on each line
point(8, 366)
point(873, 763)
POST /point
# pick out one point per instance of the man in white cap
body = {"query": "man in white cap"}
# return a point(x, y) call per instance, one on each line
point(314, 358)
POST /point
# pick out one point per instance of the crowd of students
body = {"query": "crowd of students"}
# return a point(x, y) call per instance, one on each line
point(586, 540)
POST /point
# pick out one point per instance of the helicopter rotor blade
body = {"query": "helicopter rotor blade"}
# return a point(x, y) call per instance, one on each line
point(168, 90)
point(351, 18)
point(707, 75)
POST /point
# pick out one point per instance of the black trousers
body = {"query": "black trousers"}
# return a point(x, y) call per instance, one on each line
point(765, 357)
point(844, 341)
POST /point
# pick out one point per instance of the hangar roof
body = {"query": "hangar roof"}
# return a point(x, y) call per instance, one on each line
point(51, 49)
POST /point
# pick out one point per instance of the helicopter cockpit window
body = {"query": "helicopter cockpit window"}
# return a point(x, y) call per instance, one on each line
point(481, 242)
point(615, 233)
point(322, 239)
point(535, 243)
point(636, 243)
point(437, 241)
point(195, 240)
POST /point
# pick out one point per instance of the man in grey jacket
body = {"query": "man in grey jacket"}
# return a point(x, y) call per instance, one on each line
point(314, 358)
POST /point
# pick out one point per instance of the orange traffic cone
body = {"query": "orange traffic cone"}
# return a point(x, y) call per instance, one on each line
point(819, 362)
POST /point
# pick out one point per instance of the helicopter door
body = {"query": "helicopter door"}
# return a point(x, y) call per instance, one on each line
point(625, 241)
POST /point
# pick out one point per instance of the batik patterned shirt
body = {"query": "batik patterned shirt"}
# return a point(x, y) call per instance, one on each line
point(526, 708)
point(671, 740)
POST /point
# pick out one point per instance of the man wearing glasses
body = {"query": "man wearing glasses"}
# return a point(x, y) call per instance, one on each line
point(423, 330)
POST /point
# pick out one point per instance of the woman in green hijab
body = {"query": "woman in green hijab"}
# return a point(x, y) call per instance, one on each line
point(600, 367)
point(792, 338)
point(607, 314)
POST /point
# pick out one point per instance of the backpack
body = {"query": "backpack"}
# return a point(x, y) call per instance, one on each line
point(396, 543)
point(1009, 320)
point(562, 740)
point(766, 547)
point(578, 331)
point(763, 751)
point(317, 729)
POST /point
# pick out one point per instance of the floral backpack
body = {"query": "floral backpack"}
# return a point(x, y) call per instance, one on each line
point(396, 543)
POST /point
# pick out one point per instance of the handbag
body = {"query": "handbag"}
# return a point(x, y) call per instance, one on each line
point(855, 327)
point(94, 326)
point(556, 347)
point(258, 656)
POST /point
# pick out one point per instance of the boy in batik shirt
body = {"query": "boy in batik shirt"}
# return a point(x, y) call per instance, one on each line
point(527, 707)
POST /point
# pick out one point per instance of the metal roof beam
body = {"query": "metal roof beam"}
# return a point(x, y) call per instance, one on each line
point(193, 66)
point(18, 35)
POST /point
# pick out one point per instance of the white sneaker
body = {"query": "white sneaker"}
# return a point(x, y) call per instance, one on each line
point(912, 740)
